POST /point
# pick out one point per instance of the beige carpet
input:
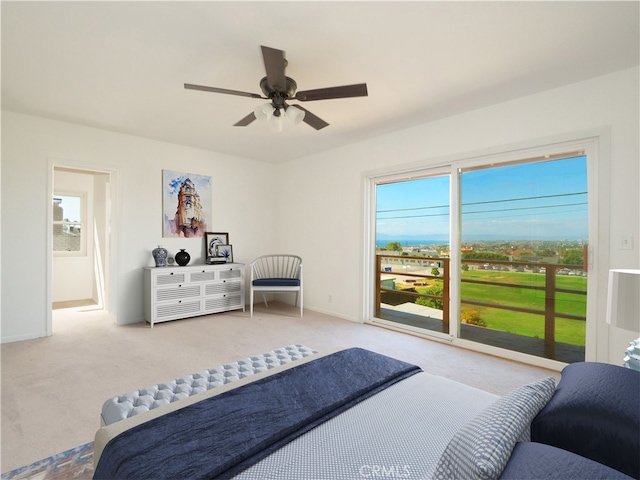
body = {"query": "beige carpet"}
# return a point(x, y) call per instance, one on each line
point(53, 388)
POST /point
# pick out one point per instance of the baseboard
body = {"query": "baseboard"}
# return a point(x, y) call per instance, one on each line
point(333, 314)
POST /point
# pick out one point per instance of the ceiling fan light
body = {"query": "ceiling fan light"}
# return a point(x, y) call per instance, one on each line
point(263, 112)
point(295, 115)
point(275, 123)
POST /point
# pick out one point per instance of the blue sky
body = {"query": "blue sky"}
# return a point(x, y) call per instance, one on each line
point(537, 201)
point(70, 207)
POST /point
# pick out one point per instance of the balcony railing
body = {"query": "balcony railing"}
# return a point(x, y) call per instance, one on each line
point(414, 270)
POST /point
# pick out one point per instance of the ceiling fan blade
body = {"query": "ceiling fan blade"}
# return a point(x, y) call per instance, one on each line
point(190, 86)
point(345, 91)
point(245, 121)
point(311, 119)
point(274, 64)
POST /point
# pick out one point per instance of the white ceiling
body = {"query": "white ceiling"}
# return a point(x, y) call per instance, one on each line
point(121, 66)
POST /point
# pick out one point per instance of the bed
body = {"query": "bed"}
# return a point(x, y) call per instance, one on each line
point(353, 413)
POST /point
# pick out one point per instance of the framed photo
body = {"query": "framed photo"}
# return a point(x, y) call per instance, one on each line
point(211, 240)
point(225, 252)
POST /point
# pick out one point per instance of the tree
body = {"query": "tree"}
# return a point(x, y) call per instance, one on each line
point(465, 267)
point(394, 247)
point(435, 272)
point(572, 257)
point(484, 256)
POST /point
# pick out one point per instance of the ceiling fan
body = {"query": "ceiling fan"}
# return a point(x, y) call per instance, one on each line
point(279, 89)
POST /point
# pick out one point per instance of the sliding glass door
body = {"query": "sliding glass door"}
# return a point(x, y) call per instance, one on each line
point(524, 230)
point(412, 252)
point(501, 245)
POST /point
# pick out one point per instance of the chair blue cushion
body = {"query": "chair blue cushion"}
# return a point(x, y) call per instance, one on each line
point(276, 282)
point(595, 413)
point(533, 461)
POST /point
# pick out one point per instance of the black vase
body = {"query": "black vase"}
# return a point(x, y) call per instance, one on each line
point(182, 257)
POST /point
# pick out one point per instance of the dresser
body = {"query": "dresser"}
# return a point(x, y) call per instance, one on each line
point(176, 292)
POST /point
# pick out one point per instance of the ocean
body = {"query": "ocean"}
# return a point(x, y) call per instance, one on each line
point(407, 242)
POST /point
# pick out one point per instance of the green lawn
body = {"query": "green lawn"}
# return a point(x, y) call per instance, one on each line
point(532, 325)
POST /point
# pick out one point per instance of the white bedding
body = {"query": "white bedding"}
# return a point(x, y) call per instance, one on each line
point(400, 432)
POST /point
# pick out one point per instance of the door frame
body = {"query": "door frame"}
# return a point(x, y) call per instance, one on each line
point(109, 300)
point(597, 146)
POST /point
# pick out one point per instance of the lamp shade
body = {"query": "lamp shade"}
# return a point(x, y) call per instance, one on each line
point(623, 303)
point(275, 123)
point(295, 115)
point(263, 112)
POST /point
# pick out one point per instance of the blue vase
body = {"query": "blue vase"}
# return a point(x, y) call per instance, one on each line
point(160, 255)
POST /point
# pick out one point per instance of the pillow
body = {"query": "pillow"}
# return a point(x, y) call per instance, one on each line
point(595, 413)
point(533, 461)
point(480, 450)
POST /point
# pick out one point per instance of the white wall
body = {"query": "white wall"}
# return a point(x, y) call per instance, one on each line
point(315, 202)
point(243, 199)
point(324, 192)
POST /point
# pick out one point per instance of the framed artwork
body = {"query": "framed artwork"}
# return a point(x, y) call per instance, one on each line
point(212, 239)
point(225, 252)
point(186, 204)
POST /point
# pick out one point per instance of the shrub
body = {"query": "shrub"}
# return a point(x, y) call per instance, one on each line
point(436, 289)
point(472, 317)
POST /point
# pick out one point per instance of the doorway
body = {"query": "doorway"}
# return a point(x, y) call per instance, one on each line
point(81, 214)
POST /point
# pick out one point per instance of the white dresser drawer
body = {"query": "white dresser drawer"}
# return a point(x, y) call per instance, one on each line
point(180, 291)
point(179, 309)
point(172, 293)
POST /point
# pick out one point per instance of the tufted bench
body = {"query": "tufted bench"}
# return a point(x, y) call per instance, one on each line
point(145, 399)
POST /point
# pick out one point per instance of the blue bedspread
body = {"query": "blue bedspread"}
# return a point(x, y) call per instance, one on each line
point(223, 435)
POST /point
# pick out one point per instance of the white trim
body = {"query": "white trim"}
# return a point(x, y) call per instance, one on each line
point(420, 332)
point(510, 354)
point(599, 192)
point(48, 326)
point(470, 345)
point(333, 314)
point(455, 250)
point(368, 262)
point(111, 298)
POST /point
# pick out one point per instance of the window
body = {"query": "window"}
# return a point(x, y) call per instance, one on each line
point(69, 236)
point(523, 280)
point(491, 250)
point(412, 243)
